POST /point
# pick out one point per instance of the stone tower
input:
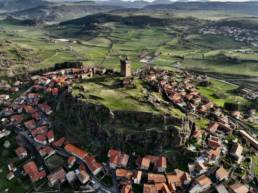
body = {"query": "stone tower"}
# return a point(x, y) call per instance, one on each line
point(125, 67)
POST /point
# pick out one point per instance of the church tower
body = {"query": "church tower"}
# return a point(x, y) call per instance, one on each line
point(125, 67)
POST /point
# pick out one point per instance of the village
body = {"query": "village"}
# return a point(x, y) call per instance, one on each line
point(223, 149)
point(247, 36)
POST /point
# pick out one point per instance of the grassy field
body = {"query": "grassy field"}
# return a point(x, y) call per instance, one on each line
point(223, 89)
point(107, 91)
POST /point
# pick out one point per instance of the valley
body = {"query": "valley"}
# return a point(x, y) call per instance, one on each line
point(119, 96)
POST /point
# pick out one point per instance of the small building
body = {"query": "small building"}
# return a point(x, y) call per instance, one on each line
point(71, 161)
point(149, 188)
point(145, 164)
point(222, 174)
point(238, 188)
point(221, 188)
point(236, 152)
point(21, 152)
point(137, 177)
point(201, 184)
point(156, 178)
point(10, 176)
point(161, 164)
point(33, 172)
point(70, 176)
point(83, 176)
point(57, 177)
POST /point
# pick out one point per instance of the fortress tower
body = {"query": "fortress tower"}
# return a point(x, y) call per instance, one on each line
point(125, 67)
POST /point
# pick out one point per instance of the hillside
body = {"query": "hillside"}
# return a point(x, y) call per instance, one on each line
point(12, 5)
point(237, 7)
point(61, 12)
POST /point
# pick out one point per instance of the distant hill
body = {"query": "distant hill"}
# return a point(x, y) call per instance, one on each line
point(61, 12)
point(94, 21)
point(12, 5)
point(237, 7)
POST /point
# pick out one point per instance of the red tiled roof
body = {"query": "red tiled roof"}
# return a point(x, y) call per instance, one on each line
point(156, 178)
point(31, 169)
point(41, 138)
point(20, 151)
point(76, 151)
point(29, 109)
point(162, 162)
point(60, 142)
point(17, 119)
point(50, 134)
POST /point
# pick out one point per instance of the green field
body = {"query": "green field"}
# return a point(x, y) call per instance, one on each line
point(103, 44)
point(107, 91)
point(225, 90)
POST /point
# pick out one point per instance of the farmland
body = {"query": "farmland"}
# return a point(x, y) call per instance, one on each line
point(177, 43)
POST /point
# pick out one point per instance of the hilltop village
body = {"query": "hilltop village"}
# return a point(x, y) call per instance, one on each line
point(223, 149)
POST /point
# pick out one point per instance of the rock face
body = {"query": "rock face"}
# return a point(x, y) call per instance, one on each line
point(95, 126)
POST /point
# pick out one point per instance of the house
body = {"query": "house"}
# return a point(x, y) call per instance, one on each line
point(71, 161)
point(123, 173)
point(221, 188)
point(236, 152)
point(212, 128)
point(200, 168)
point(60, 142)
point(178, 178)
point(137, 177)
point(45, 108)
point(94, 166)
point(161, 164)
point(29, 109)
point(236, 114)
point(75, 151)
point(39, 131)
point(83, 176)
point(145, 164)
point(46, 152)
point(17, 119)
point(201, 184)
point(149, 188)
point(222, 174)
point(214, 154)
point(239, 188)
point(50, 136)
point(162, 187)
point(4, 97)
point(10, 176)
point(156, 178)
point(127, 188)
point(57, 177)
point(41, 139)
point(21, 152)
point(214, 142)
point(11, 167)
point(33, 172)
point(70, 176)
point(117, 158)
